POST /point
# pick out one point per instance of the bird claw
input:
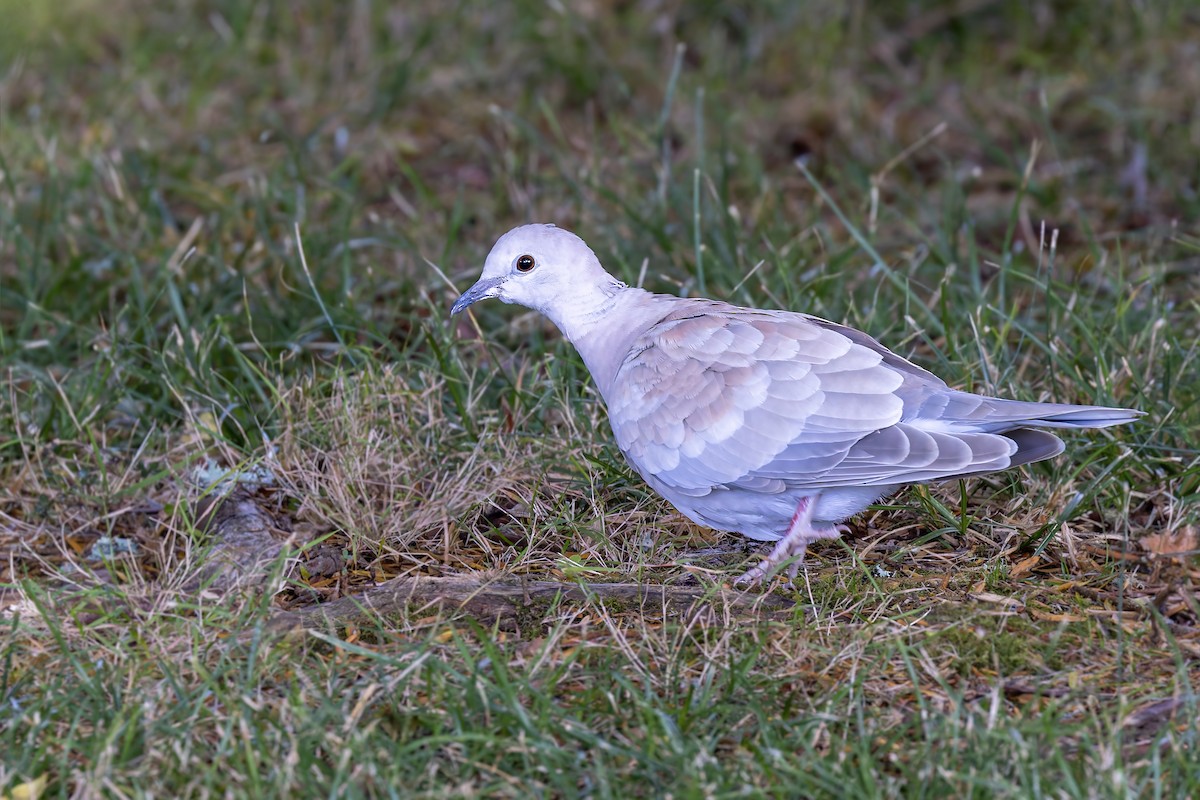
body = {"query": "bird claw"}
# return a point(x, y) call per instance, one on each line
point(758, 575)
point(751, 578)
point(747, 581)
point(791, 546)
point(829, 532)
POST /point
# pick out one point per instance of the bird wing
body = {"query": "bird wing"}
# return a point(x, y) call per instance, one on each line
point(715, 395)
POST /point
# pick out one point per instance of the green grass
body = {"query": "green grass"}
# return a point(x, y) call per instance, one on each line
point(1005, 194)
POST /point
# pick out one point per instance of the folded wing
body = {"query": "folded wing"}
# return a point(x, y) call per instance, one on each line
point(714, 395)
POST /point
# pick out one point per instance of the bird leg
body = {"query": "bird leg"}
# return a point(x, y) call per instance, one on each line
point(800, 532)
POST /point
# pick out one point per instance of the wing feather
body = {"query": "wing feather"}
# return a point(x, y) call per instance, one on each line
point(714, 396)
point(750, 399)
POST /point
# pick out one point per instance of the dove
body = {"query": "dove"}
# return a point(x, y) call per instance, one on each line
point(773, 424)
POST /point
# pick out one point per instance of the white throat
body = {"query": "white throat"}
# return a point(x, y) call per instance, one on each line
point(586, 309)
point(604, 329)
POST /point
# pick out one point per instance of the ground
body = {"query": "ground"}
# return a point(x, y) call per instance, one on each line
point(235, 407)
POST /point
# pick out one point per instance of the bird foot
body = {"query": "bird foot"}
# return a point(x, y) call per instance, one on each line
point(800, 532)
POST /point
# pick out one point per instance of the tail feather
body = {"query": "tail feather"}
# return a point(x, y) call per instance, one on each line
point(1065, 416)
point(1033, 445)
point(1007, 414)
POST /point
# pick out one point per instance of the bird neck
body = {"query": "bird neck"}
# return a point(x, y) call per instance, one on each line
point(588, 308)
point(603, 336)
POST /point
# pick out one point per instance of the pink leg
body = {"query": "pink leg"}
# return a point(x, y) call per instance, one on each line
point(800, 532)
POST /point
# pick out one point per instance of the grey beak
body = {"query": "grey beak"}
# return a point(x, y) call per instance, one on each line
point(483, 289)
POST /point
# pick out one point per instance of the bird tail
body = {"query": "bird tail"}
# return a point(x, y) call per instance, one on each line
point(1018, 421)
point(1057, 415)
point(1033, 445)
point(997, 415)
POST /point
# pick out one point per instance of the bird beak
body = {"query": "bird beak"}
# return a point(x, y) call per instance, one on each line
point(483, 289)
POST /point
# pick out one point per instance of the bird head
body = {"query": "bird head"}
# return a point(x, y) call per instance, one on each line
point(537, 266)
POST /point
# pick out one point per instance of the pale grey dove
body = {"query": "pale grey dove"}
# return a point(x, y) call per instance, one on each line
point(773, 424)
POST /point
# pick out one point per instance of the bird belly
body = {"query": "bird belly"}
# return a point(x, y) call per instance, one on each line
point(763, 516)
point(842, 502)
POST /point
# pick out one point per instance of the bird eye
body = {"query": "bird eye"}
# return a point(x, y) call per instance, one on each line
point(525, 263)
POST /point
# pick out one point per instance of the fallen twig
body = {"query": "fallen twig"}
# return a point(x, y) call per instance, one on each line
point(512, 603)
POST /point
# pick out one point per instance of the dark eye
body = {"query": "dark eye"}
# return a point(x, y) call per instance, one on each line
point(525, 263)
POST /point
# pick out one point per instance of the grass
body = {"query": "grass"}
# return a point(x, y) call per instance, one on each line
point(230, 234)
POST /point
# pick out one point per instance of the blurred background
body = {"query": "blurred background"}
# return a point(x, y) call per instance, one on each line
point(396, 133)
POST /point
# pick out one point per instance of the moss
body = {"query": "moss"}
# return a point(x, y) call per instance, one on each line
point(984, 643)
